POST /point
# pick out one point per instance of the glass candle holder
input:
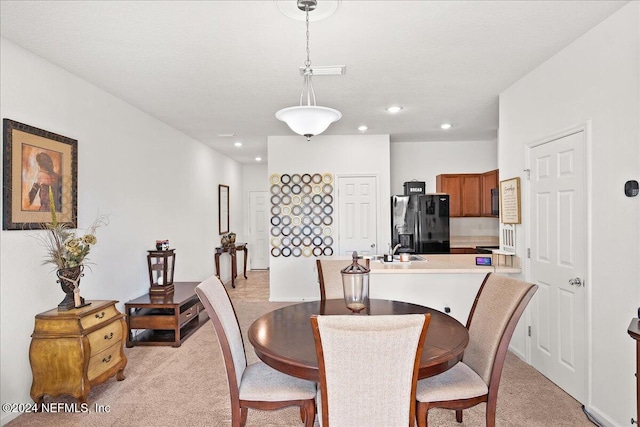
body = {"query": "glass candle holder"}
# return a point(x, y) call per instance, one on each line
point(355, 283)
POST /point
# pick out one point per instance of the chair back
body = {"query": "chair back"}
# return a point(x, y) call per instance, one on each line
point(368, 368)
point(496, 310)
point(330, 278)
point(216, 301)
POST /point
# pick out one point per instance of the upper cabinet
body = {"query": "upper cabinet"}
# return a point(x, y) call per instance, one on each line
point(450, 184)
point(488, 182)
point(469, 193)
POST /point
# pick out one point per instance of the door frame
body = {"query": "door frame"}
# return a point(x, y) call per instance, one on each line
point(251, 231)
point(586, 129)
point(379, 216)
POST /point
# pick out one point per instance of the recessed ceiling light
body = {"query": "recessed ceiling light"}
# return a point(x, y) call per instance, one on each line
point(445, 126)
point(258, 159)
point(238, 144)
point(362, 128)
point(394, 108)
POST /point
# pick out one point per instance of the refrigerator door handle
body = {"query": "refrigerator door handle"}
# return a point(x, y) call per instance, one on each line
point(417, 240)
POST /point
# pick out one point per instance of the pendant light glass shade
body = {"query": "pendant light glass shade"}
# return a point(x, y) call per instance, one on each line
point(308, 120)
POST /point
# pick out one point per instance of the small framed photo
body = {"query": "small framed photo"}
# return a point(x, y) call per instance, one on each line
point(40, 173)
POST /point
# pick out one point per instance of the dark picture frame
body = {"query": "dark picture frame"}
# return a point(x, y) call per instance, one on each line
point(223, 209)
point(39, 166)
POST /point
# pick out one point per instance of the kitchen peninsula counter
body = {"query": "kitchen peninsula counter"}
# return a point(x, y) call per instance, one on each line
point(448, 283)
point(445, 264)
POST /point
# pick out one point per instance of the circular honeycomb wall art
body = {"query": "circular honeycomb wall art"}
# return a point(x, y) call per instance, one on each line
point(302, 212)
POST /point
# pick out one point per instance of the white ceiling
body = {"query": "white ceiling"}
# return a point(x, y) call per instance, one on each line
point(225, 67)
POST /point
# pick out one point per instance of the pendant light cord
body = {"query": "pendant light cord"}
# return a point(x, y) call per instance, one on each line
point(307, 85)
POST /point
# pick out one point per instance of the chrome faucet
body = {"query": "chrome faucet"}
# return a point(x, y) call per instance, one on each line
point(395, 248)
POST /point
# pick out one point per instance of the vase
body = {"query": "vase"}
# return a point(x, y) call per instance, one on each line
point(69, 279)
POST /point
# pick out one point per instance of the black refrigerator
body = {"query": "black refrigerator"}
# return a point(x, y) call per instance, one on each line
point(420, 223)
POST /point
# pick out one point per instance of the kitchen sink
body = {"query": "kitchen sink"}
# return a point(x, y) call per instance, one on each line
point(411, 257)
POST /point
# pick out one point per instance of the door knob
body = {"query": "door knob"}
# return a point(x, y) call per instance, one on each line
point(575, 282)
point(373, 245)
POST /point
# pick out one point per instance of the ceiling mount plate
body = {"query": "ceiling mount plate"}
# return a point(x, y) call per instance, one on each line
point(304, 4)
point(324, 9)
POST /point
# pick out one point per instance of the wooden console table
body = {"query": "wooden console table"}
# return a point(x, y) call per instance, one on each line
point(166, 319)
point(234, 268)
point(634, 331)
point(75, 350)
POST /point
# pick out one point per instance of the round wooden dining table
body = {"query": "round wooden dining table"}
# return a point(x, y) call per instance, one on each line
point(283, 338)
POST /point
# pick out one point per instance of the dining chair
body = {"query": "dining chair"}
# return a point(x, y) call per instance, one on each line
point(330, 278)
point(494, 315)
point(368, 368)
point(255, 386)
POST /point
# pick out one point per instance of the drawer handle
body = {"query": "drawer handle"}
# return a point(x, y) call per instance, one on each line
point(100, 316)
point(106, 359)
point(108, 337)
point(189, 314)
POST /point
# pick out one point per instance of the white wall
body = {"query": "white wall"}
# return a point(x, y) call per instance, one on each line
point(423, 161)
point(596, 79)
point(152, 180)
point(295, 278)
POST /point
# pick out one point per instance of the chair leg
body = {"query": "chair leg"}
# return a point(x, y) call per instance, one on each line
point(243, 416)
point(308, 413)
point(422, 414)
point(491, 412)
point(459, 415)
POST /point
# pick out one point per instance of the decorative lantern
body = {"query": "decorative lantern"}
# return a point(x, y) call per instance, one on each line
point(161, 267)
point(355, 281)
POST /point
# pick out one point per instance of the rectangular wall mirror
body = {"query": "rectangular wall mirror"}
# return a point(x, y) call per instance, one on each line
point(223, 209)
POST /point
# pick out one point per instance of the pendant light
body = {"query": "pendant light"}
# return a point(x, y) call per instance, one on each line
point(308, 119)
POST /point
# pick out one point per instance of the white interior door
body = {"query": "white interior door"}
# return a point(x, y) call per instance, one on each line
point(558, 260)
point(357, 215)
point(259, 230)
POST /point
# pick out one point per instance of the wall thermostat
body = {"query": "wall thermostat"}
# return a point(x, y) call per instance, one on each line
point(483, 260)
point(631, 188)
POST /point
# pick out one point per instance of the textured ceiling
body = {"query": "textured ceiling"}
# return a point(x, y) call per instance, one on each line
point(225, 67)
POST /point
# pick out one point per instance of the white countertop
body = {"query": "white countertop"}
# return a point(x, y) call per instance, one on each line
point(445, 264)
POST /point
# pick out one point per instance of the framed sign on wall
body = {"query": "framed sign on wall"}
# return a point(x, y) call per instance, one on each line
point(510, 201)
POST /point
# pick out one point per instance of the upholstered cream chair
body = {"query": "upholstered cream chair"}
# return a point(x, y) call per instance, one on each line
point(368, 368)
point(493, 317)
point(256, 386)
point(330, 278)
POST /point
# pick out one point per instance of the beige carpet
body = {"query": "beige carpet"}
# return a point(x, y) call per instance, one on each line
point(187, 386)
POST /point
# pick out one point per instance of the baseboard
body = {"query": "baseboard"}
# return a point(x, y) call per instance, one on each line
point(601, 417)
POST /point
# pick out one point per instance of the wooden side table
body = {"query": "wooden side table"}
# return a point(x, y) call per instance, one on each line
point(232, 251)
point(75, 350)
point(165, 319)
point(634, 331)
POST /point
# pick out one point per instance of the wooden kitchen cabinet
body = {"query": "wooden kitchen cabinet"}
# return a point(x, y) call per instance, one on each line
point(464, 193)
point(488, 181)
point(450, 184)
point(73, 351)
point(469, 193)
